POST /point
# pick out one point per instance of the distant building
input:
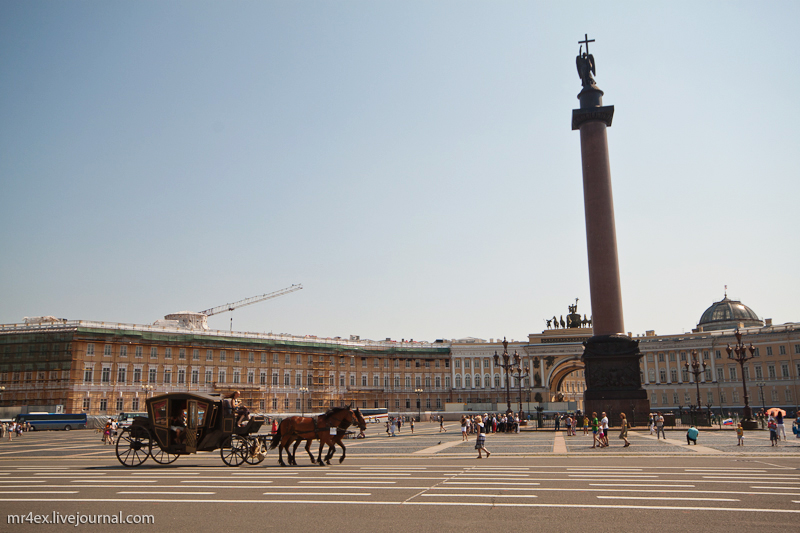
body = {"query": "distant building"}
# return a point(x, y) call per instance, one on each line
point(105, 368)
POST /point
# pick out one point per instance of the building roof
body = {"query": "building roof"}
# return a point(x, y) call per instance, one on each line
point(728, 314)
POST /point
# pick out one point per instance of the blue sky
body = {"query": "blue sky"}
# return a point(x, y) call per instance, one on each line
point(410, 163)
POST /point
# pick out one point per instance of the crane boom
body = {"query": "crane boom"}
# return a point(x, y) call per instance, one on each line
point(252, 300)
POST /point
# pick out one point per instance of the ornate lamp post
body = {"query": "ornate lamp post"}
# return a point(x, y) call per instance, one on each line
point(147, 389)
point(509, 362)
point(419, 405)
point(739, 353)
point(696, 370)
point(2, 388)
point(521, 373)
point(303, 391)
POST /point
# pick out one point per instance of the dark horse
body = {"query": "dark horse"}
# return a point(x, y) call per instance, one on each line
point(296, 428)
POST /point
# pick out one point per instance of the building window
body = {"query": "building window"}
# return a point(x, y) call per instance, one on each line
point(661, 358)
point(135, 404)
point(375, 362)
point(722, 399)
point(717, 354)
point(428, 382)
point(673, 375)
point(123, 351)
point(182, 353)
point(90, 349)
point(759, 372)
point(209, 355)
point(237, 356)
point(122, 374)
point(181, 376)
point(195, 355)
point(364, 381)
point(152, 375)
point(263, 378)
point(107, 350)
point(458, 381)
point(408, 363)
point(785, 370)
point(363, 362)
point(769, 350)
point(168, 353)
point(274, 404)
point(774, 396)
point(735, 396)
point(223, 356)
point(263, 360)
point(221, 377)
point(87, 375)
point(375, 381)
point(251, 376)
point(274, 379)
point(408, 382)
point(771, 371)
point(209, 376)
point(105, 377)
point(466, 363)
point(467, 382)
point(153, 352)
point(251, 357)
point(672, 356)
point(137, 376)
point(274, 358)
point(167, 376)
point(438, 382)
point(720, 376)
point(788, 395)
point(286, 380)
point(138, 352)
point(707, 376)
point(103, 404)
point(195, 376)
point(447, 382)
point(675, 398)
point(654, 398)
point(732, 373)
point(497, 380)
point(397, 382)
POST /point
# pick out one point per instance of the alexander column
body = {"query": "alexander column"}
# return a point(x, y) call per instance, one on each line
point(610, 357)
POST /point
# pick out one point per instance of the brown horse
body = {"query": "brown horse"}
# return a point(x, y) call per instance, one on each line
point(341, 431)
point(296, 428)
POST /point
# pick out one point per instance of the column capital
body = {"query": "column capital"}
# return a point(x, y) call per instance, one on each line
point(603, 114)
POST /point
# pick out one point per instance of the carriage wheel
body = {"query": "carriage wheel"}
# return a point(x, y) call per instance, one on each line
point(252, 457)
point(133, 446)
point(160, 456)
point(234, 451)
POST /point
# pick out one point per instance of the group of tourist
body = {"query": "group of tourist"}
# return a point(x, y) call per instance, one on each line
point(109, 431)
point(496, 423)
point(394, 424)
point(9, 429)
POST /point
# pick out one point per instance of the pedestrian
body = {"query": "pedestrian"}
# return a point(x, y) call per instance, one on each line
point(274, 426)
point(773, 431)
point(441, 424)
point(691, 436)
point(557, 418)
point(652, 424)
point(595, 427)
point(393, 427)
point(480, 442)
point(660, 426)
point(623, 433)
point(412, 425)
point(740, 435)
point(399, 424)
point(463, 428)
point(586, 424)
point(604, 424)
point(781, 426)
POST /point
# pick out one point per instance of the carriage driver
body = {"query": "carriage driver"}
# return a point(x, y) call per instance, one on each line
point(233, 405)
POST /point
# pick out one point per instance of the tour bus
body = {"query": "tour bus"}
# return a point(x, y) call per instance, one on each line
point(125, 420)
point(41, 421)
point(375, 415)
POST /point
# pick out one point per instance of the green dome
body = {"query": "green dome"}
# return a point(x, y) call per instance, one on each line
point(728, 314)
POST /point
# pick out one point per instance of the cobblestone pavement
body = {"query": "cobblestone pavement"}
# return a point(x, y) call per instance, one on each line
point(427, 441)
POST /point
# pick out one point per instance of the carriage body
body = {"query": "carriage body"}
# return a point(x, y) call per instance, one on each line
point(210, 424)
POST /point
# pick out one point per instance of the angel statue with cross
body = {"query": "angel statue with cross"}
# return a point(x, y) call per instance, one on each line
point(585, 64)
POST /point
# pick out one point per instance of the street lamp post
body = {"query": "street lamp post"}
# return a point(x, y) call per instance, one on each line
point(522, 373)
point(147, 389)
point(508, 364)
point(419, 405)
point(739, 353)
point(697, 369)
point(303, 391)
point(2, 388)
point(761, 386)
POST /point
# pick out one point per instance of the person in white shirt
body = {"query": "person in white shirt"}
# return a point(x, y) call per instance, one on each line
point(604, 425)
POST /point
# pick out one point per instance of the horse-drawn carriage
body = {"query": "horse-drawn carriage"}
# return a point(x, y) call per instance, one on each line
point(185, 423)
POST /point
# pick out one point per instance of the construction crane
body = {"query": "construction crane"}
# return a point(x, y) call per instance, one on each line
point(194, 320)
point(248, 301)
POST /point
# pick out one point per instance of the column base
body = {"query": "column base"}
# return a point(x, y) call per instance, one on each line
point(613, 382)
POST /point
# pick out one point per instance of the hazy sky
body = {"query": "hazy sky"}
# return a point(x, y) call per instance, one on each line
point(410, 163)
